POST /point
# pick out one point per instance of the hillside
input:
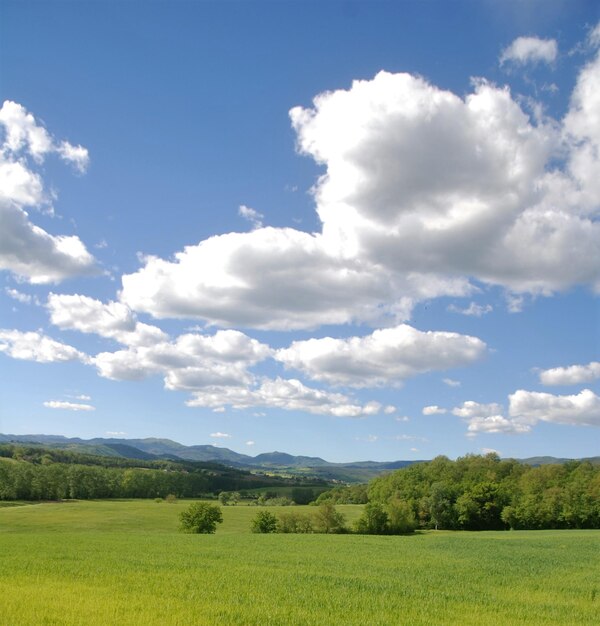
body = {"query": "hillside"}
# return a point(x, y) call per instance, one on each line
point(274, 462)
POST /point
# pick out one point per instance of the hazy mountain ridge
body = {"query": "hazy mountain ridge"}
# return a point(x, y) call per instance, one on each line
point(156, 448)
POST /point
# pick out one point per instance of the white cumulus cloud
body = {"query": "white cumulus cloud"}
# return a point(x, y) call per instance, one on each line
point(287, 394)
point(26, 249)
point(192, 361)
point(530, 407)
point(502, 210)
point(401, 223)
point(33, 346)
point(113, 320)
point(385, 357)
point(571, 375)
point(488, 418)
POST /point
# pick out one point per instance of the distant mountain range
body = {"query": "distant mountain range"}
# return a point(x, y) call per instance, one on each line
point(151, 449)
point(280, 462)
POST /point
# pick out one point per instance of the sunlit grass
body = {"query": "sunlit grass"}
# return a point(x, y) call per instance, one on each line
point(125, 563)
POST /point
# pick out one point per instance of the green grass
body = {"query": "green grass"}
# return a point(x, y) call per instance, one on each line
point(123, 562)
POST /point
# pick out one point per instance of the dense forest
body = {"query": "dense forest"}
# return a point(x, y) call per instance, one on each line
point(486, 493)
point(29, 472)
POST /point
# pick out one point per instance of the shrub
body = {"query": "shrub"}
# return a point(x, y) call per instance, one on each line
point(201, 517)
point(328, 520)
point(264, 522)
point(294, 523)
point(401, 517)
point(373, 521)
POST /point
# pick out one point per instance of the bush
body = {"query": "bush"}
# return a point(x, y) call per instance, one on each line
point(264, 522)
point(401, 517)
point(275, 501)
point(294, 523)
point(373, 521)
point(201, 517)
point(328, 520)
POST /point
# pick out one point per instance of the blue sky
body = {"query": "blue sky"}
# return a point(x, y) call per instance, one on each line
point(357, 230)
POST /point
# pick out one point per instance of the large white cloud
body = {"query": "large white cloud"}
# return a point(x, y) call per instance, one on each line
point(34, 346)
point(386, 357)
point(571, 375)
point(418, 179)
point(24, 134)
point(26, 249)
point(423, 191)
point(274, 278)
point(582, 409)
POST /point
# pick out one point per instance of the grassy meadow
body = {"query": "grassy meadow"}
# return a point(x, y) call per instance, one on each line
point(125, 563)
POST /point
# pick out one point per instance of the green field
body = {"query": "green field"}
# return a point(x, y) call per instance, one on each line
point(123, 562)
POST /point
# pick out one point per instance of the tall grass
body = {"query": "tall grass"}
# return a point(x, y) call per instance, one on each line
point(125, 563)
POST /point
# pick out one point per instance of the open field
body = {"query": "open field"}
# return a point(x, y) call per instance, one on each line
point(123, 562)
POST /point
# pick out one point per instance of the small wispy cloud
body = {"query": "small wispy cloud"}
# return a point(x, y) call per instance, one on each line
point(251, 215)
point(368, 438)
point(451, 382)
point(68, 406)
point(490, 451)
point(473, 310)
point(81, 396)
point(250, 443)
point(23, 298)
point(530, 50)
point(514, 302)
point(115, 433)
point(434, 409)
point(219, 435)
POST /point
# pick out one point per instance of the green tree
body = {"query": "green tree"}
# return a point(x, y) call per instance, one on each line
point(329, 520)
point(201, 517)
point(480, 507)
point(294, 522)
point(440, 506)
point(302, 495)
point(401, 517)
point(373, 521)
point(264, 522)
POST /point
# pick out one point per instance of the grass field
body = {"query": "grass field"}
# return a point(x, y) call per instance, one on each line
point(124, 563)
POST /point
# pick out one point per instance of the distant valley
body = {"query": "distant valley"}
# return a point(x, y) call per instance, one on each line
point(276, 462)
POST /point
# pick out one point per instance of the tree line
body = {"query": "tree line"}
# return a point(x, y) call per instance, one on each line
point(37, 473)
point(485, 493)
